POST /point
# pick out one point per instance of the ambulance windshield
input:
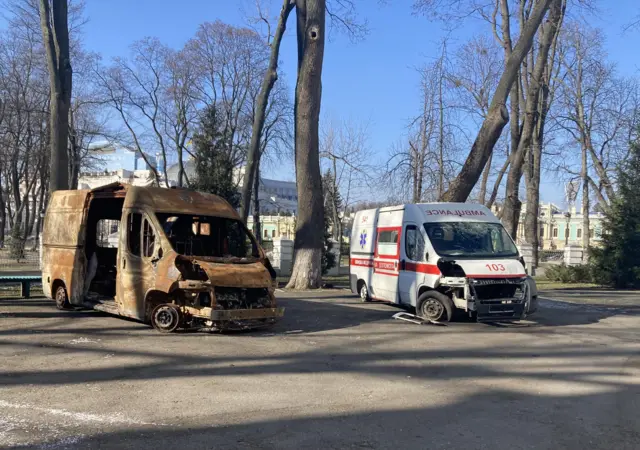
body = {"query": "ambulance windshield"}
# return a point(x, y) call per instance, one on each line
point(470, 239)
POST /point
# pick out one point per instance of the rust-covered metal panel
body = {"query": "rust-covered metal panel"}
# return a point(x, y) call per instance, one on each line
point(62, 242)
point(181, 201)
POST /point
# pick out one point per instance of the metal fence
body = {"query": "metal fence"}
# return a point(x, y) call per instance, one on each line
point(19, 259)
point(551, 256)
point(267, 246)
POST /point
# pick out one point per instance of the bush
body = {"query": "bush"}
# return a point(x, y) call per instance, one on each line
point(582, 273)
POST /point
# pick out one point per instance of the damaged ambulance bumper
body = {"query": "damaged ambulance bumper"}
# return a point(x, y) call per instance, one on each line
point(500, 299)
point(493, 299)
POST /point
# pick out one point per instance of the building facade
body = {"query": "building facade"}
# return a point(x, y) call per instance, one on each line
point(112, 156)
point(558, 228)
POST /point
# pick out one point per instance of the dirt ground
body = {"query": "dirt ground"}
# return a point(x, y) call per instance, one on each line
point(333, 374)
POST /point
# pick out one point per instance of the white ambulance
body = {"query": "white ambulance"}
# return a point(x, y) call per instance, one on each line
point(438, 257)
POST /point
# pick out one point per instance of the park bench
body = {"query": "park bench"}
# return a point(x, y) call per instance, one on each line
point(25, 279)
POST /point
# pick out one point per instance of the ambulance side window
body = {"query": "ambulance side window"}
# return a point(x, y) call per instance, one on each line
point(414, 243)
point(388, 242)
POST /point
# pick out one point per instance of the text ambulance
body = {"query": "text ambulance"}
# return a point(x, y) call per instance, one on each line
point(438, 257)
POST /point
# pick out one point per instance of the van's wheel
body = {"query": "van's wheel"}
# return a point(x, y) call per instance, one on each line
point(433, 305)
point(364, 293)
point(166, 318)
point(62, 300)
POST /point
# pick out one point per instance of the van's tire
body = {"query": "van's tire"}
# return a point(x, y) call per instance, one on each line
point(363, 291)
point(166, 318)
point(62, 299)
point(433, 305)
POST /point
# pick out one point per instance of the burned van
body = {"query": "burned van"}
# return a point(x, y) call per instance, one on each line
point(173, 258)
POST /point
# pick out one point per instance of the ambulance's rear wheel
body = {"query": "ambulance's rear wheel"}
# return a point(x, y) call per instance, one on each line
point(364, 292)
point(435, 306)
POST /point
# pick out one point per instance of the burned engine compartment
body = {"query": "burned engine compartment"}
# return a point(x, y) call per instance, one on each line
point(242, 298)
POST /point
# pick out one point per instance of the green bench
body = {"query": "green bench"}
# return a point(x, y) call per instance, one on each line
point(25, 280)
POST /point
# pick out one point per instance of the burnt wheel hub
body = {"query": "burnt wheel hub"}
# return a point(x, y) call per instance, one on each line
point(165, 318)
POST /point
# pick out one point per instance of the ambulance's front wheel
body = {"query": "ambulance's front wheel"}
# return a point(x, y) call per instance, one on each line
point(433, 305)
point(364, 292)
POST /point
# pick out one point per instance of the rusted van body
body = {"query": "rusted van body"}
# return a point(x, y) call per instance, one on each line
point(171, 257)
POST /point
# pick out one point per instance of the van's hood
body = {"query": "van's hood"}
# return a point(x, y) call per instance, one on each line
point(490, 268)
point(253, 275)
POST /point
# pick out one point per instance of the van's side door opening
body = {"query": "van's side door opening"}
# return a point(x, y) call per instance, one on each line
point(101, 246)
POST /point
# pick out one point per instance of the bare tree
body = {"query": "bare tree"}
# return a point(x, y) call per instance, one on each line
point(474, 76)
point(270, 78)
point(308, 245)
point(55, 33)
point(136, 89)
point(232, 62)
point(598, 112)
point(497, 115)
point(179, 107)
point(345, 153)
point(531, 85)
point(421, 169)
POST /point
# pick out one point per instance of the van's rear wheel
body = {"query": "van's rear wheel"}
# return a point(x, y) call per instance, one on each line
point(165, 318)
point(364, 292)
point(62, 300)
point(435, 306)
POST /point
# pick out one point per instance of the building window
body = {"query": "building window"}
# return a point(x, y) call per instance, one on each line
point(591, 233)
point(273, 233)
point(541, 232)
point(579, 233)
point(266, 233)
point(555, 232)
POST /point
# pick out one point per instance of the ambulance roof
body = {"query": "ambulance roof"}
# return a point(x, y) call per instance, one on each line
point(446, 212)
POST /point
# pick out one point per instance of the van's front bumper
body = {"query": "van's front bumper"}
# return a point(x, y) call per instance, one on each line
point(246, 314)
point(498, 307)
point(499, 310)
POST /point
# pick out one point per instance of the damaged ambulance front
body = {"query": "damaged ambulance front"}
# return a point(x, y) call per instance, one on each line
point(216, 273)
point(481, 269)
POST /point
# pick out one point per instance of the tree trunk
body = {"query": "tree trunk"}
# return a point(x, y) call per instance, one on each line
point(257, 232)
point(337, 223)
point(496, 185)
point(585, 199)
point(180, 168)
point(55, 33)
point(42, 205)
point(497, 116)
point(532, 181)
point(270, 78)
point(309, 239)
point(482, 195)
point(532, 104)
point(441, 134)
point(3, 215)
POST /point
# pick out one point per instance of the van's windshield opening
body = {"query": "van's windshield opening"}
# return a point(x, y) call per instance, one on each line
point(207, 236)
point(470, 239)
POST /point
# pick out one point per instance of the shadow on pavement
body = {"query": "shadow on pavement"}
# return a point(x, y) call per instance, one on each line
point(496, 419)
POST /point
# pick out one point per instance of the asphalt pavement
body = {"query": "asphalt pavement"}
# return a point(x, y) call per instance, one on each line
point(333, 374)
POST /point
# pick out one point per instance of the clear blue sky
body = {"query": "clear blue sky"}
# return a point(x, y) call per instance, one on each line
point(373, 80)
